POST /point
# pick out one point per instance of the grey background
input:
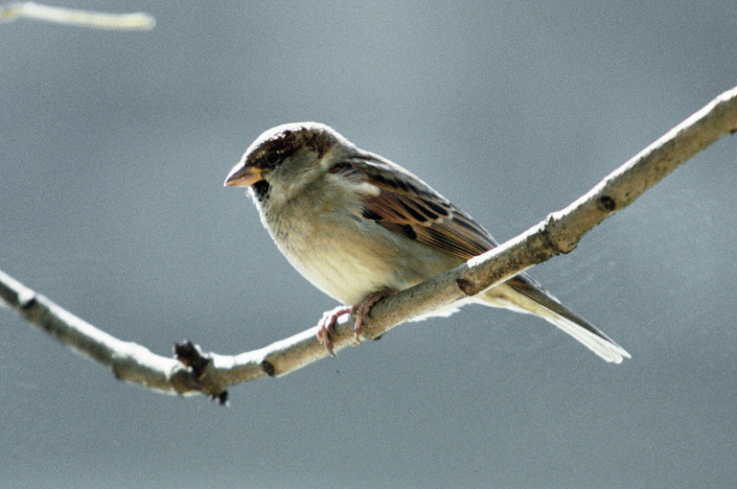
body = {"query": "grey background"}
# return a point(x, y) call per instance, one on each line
point(113, 151)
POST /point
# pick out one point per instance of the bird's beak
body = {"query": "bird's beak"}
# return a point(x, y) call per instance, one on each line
point(243, 175)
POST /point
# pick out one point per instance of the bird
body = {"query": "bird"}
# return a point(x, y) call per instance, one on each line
point(360, 227)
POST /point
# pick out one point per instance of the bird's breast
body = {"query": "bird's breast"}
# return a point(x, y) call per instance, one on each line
point(345, 255)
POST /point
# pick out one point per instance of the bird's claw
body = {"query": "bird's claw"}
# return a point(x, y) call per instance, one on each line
point(326, 325)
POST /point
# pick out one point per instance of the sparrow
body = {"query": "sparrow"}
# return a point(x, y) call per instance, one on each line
point(360, 227)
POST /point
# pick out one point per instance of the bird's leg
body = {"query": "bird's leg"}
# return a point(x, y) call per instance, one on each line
point(361, 310)
point(327, 325)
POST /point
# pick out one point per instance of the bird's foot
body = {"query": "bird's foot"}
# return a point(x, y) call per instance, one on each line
point(363, 309)
point(326, 326)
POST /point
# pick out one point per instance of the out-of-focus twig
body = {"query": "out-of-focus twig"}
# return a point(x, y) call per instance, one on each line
point(76, 17)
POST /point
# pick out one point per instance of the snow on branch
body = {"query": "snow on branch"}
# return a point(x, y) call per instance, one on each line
point(193, 372)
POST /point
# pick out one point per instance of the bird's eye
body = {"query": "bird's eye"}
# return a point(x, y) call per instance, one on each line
point(273, 157)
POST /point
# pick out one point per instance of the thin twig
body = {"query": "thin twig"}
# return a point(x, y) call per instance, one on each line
point(76, 17)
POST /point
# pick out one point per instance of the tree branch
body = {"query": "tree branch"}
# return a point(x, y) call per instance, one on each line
point(193, 372)
point(76, 17)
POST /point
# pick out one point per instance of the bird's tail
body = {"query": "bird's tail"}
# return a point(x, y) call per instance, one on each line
point(522, 294)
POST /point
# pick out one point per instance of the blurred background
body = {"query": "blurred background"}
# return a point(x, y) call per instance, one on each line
point(114, 147)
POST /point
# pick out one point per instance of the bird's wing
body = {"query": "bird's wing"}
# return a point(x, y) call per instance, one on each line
point(404, 204)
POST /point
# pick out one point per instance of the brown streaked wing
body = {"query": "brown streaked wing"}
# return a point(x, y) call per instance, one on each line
point(409, 207)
